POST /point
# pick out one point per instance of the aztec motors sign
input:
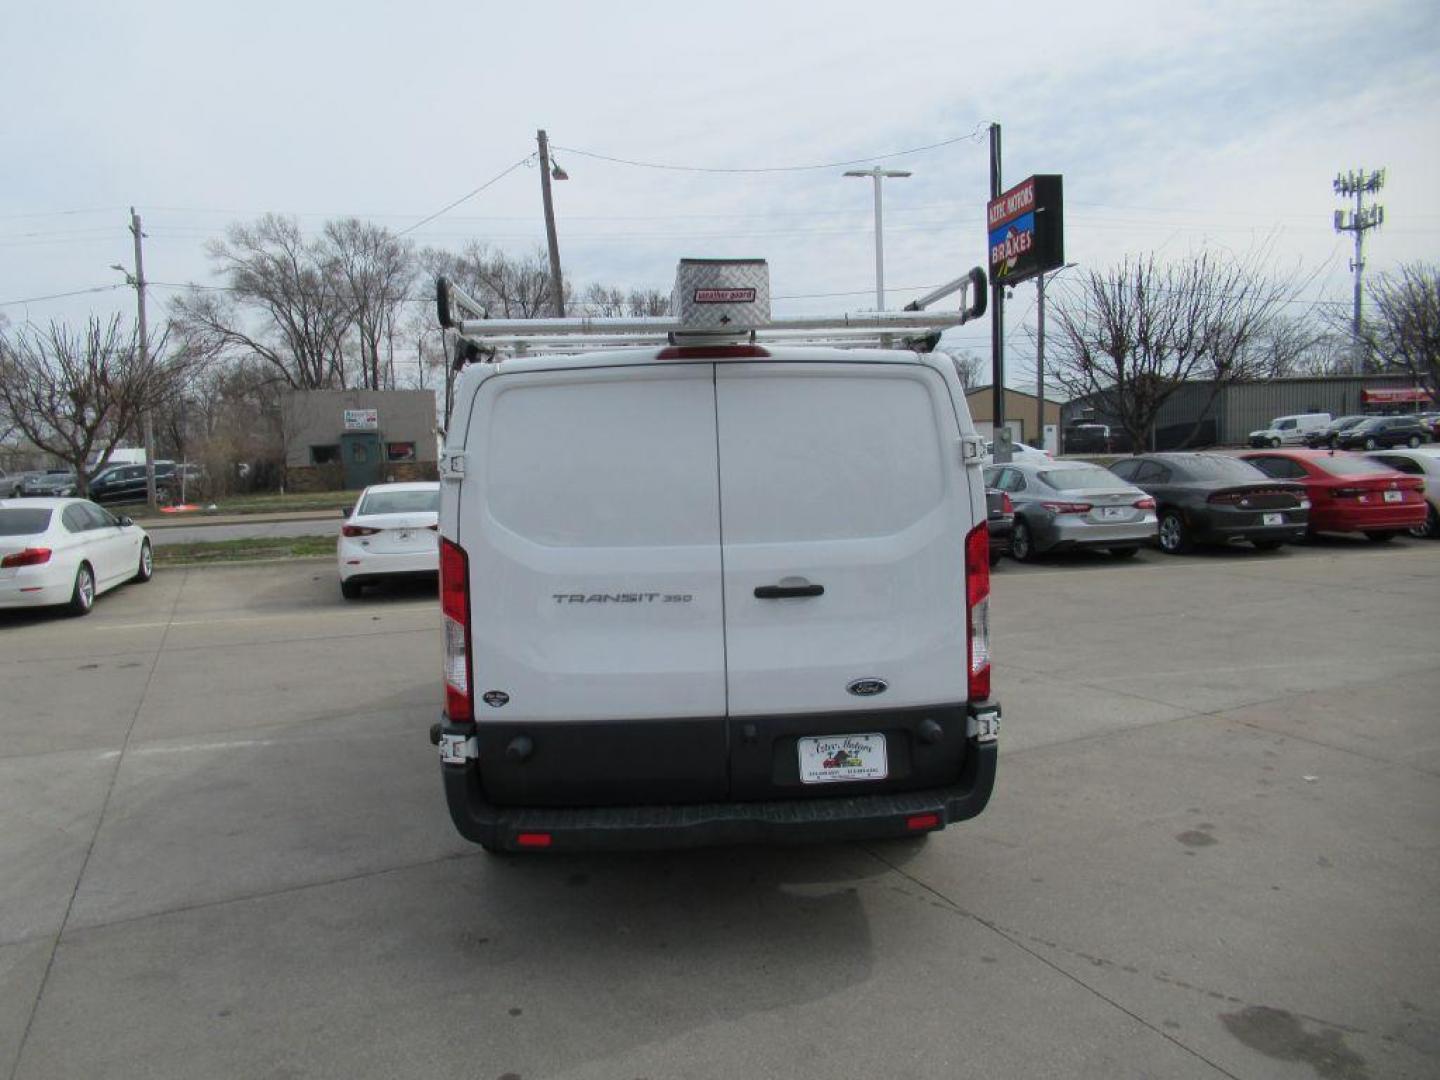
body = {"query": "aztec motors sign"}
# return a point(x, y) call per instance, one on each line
point(1027, 230)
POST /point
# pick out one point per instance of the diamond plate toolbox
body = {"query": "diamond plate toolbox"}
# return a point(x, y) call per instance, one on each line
point(722, 294)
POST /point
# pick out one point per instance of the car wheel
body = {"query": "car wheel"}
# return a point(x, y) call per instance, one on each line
point(1370, 442)
point(1413, 441)
point(1267, 545)
point(1381, 537)
point(82, 596)
point(1431, 529)
point(1122, 553)
point(146, 570)
point(1274, 443)
point(1174, 538)
point(994, 557)
point(1022, 546)
point(351, 590)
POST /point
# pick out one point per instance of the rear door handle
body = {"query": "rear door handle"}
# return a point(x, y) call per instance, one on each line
point(790, 586)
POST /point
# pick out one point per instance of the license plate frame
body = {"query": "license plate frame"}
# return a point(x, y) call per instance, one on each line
point(1113, 513)
point(1273, 519)
point(1394, 496)
point(822, 759)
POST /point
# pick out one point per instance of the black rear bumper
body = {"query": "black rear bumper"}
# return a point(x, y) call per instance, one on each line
point(702, 824)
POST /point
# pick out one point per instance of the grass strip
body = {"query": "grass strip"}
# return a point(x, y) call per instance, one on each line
point(246, 550)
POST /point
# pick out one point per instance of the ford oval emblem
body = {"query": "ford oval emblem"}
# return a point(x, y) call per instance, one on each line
point(868, 687)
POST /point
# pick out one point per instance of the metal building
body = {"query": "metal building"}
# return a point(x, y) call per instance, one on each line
point(1202, 414)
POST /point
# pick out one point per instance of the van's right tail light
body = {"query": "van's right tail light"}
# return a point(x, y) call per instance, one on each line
point(977, 603)
point(455, 610)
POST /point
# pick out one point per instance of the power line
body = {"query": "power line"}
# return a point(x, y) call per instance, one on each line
point(61, 295)
point(469, 195)
point(972, 137)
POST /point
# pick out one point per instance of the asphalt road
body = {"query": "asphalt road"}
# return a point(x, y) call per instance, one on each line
point(1212, 853)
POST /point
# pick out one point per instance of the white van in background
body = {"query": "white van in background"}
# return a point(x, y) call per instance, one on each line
point(1290, 430)
point(711, 591)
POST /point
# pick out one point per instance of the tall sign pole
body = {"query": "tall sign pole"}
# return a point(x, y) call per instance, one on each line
point(144, 358)
point(557, 287)
point(997, 320)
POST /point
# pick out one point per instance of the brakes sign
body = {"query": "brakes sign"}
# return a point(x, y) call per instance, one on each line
point(1025, 230)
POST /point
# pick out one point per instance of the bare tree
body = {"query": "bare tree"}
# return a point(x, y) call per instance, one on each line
point(1403, 332)
point(371, 270)
point(607, 301)
point(968, 366)
point(279, 305)
point(1129, 338)
point(76, 395)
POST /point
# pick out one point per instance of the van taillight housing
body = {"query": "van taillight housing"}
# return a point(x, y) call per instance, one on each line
point(455, 612)
point(977, 604)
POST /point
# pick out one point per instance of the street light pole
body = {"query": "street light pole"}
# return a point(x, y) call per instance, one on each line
point(1040, 352)
point(877, 174)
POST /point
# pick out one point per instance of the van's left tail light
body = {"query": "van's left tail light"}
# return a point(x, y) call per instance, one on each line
point(977, 603)
point(28, 557)
point(455, 609)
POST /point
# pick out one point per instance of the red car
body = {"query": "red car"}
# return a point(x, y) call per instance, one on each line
point(1348, 493)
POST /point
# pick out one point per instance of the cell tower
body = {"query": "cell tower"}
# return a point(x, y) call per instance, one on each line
point(1359, 221)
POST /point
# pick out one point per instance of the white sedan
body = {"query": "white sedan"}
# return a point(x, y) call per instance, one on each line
point(392, 532)
point(1424, 462)
point(67, 551)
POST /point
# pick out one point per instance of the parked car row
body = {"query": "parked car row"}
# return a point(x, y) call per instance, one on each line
point(112, 484)
point(1263, 498)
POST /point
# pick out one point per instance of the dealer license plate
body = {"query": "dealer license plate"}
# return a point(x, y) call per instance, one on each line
point(1113, 513)
point(1394, 496)
point(1274, 519)
point(830, 758)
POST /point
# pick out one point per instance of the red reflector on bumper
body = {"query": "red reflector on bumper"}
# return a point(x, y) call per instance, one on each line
point(533, 839)
point(922, 822)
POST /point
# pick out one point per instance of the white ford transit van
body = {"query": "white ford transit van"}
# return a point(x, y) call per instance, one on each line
point(712, 590)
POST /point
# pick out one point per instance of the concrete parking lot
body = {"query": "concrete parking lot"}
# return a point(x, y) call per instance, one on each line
point(1212, 852)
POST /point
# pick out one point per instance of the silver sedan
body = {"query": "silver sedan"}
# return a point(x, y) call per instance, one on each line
point(1062, 505)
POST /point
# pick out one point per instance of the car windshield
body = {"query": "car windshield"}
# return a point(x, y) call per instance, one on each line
point(1085, 478)
point(401, 502)
point(23, 521)
point(1219, 468)
point(1369, 424)
point(1351, 466)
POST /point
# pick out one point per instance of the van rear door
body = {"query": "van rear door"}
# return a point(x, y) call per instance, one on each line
point(845, 507)
point(590, 516)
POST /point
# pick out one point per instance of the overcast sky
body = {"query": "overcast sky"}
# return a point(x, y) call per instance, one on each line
point(1188, 126)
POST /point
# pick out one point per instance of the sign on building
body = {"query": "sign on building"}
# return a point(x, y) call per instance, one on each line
point(1027, 230)
point(362, 419)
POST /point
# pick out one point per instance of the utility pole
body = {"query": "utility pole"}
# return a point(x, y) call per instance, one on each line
point(557, 286)
point(878, 175)
point(1359, 221)
point(137, 279)
point(997, 320)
